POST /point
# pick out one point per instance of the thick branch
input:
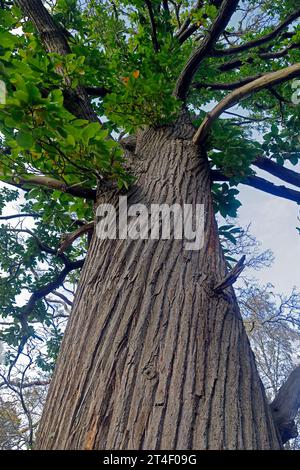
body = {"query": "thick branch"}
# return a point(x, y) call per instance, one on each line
point(54, 40)
point(153, 25)
point(19, 216)
point(227, 66)
point(286, 405)
point(24, 182)
point(226, 86)
point(97, 92)
point(243, 92)
point(185, 79)
point(71, 237)
point(285, 174)
point(259, 41)
point(187, 33)
point(263, 185)
point(187, 29)
point(34, 383)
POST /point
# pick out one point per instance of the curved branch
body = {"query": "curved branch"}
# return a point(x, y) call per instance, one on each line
point(48, 288)
point(259, 41)
point(71, 237)
point(184, 81)
point(243, 92)
point(40, 244)
point(227, 66)
point(62, 297)
point(37, 295)
point(23, 182)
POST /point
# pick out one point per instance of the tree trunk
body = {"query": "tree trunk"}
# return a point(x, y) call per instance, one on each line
point(152, 358)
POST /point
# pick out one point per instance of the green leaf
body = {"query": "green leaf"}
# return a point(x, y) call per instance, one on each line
point(90, 131)
point(71, 140)
point(24, 140)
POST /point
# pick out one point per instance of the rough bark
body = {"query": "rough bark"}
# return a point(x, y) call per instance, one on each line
point(152, 358)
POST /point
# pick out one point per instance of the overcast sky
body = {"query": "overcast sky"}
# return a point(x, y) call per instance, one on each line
point(273, 223)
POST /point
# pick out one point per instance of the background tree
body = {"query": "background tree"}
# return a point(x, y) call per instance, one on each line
point(155, 344)
point(273, 325)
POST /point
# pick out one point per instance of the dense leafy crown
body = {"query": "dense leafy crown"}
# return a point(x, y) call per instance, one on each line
point(79, 76)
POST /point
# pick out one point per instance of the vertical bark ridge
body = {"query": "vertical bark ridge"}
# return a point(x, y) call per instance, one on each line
point(152, 358)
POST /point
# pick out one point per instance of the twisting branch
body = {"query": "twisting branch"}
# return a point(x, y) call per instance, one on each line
point(71, 237)
point(185, 79)
point(259, 41)
point(263, 185)
point(48, 288)
point(243, 92)
point(37, 295)
point(41, 292)
point(286, 405)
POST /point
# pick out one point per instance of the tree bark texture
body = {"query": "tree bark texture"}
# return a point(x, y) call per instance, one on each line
point(152, 358)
